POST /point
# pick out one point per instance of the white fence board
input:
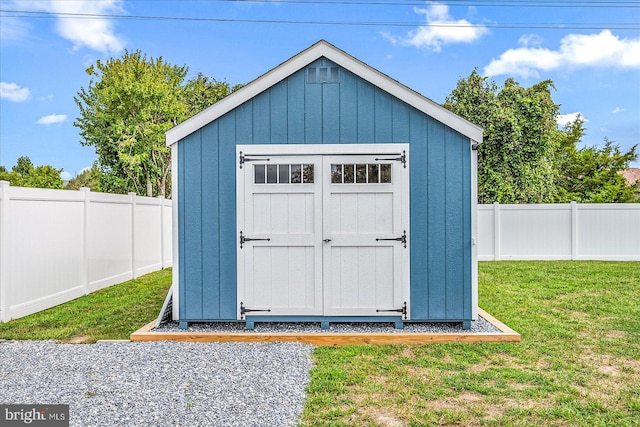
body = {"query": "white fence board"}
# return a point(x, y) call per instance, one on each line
point(58, 245)
point(559, 232)
point(109, 243)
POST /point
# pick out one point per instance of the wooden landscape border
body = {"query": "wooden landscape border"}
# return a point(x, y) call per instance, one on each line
point(506, 334)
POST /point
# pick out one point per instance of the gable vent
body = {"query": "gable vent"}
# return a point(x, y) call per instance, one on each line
point(323, 74)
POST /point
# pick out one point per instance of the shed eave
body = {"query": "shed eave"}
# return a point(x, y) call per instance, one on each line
point(343, 59)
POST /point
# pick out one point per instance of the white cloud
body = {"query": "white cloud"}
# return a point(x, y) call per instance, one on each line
point(530, 40)
point(13, 28)
point(565, 119)
point(576, 50)
point(617, 110)
point(52, 119)
point(93, 33)
point(65, 176)
point(440, 29)
point(13, 92)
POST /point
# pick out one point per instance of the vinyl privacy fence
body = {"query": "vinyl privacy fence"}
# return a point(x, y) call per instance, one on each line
point(559, 232)
point(57, 245)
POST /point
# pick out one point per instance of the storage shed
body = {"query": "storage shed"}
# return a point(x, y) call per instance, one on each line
point(324, 191)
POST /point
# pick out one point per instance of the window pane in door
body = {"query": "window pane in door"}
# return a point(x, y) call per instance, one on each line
point(259, 174)
point(272, 174)
point(361, 174)
point(336, 174)
point(308, 174)
point(283, 174)
point(385, 173)
point(348, 174)
point(296, 174)
point(374, 177)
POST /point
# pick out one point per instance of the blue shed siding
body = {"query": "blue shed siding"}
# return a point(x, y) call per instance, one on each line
point(352, 111)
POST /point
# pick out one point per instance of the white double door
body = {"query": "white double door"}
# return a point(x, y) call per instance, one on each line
point(323, 235)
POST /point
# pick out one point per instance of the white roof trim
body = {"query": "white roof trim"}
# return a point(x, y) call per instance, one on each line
point(301, 60)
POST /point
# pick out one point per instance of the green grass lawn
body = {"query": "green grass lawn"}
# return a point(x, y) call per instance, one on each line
point(110, 313)
point(578, 363)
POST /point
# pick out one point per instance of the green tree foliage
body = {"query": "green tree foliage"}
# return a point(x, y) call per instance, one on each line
point(202, 92)
point(128, 106)
point(525, 157)
point(23, 167)
point(515, 159)
point(88, 178)
point(24, 174)
point(590, 174)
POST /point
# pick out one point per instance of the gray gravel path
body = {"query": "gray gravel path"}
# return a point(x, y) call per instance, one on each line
point(160, 383)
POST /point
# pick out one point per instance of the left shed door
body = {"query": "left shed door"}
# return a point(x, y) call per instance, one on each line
point(283, 209)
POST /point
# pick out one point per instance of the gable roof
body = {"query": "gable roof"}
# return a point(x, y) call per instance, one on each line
point(341, 58)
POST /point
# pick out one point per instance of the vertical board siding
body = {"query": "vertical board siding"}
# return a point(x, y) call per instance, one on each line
point(192, 215)
point(454, 295)
point(348, 108)
point(436, 220)
point(418, 161)
point(466, 236)
point(401, 125)
point(210, 226)
point(383, 116)
point(366, 114)
point(226, 188)
point(313, 114)
point(261, 119)
point(330, 113)
point(279, 113)
point(295, 107)
point(244, 130)
point(352, 111)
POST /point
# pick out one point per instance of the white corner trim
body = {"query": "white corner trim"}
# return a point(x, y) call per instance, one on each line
point(304, 58)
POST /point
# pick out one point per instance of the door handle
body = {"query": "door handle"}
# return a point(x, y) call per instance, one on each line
point(326, 240)
point(402, 238)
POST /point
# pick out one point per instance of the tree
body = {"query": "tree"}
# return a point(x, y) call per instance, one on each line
point(202, 92)
point(590, 174)
point(23, 166)
point(129, 105)
point(87, 178)
point(516, 156)
point(24, 174)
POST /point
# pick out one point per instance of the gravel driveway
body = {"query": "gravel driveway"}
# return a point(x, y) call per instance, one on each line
point(160, 383)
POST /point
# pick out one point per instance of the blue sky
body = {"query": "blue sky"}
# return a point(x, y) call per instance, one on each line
point(590, 49)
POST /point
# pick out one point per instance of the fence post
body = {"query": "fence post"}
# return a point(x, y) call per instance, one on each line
point(134, 274)
point(161, 231)
point(574, 231)
point(84, 267)
point(496, 231)
point(5, 316)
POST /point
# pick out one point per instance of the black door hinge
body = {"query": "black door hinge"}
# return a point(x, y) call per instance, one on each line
point(402, 158)
point(402, 310)
point(244, 239)
point(402, 238)
point(244, 159)
point(244, 310)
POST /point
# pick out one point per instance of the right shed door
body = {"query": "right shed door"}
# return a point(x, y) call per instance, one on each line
point(365, 235)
